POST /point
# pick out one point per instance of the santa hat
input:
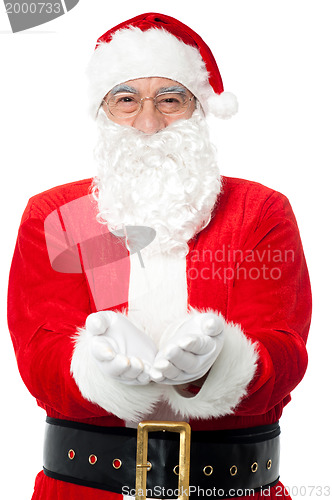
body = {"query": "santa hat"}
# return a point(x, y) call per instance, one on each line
point(155, 45)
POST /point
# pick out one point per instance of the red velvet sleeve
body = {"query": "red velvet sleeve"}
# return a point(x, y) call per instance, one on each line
point(271, 299)
point(45, 308)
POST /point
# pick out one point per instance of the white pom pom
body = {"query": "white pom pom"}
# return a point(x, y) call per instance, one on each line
point(223, 105)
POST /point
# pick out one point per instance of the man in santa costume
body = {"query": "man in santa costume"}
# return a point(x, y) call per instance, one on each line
point(158, 290)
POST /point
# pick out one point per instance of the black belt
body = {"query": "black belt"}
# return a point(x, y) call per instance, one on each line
point(223, 463)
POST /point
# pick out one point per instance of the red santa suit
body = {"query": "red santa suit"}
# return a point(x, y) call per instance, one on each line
point(254, 274)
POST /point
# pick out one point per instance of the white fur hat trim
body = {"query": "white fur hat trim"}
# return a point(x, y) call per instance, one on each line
point(133, 53)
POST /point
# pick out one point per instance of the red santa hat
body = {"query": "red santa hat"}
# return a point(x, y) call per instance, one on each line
point(155, 45)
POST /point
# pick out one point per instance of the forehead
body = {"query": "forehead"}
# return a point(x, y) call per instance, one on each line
point(148, 85)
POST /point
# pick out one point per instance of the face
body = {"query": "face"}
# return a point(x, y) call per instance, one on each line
point(149, 119)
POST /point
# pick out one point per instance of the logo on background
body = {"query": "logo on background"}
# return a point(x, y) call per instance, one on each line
point(28, 14)
point(78, 243)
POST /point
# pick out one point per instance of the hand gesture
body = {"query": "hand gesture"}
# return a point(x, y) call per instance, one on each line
point(122, 351)
point(191, 350)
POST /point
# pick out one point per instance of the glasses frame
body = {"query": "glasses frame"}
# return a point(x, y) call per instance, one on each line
point(140, 101)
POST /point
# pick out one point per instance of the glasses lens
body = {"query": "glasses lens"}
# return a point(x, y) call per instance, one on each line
point(172, 104)
point(122, 105)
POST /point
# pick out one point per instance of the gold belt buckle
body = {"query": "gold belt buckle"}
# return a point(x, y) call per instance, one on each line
point(142, 464)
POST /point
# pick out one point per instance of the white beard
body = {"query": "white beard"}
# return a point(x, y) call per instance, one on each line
point(168, 181)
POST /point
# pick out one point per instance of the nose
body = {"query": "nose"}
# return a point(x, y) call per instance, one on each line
point(149, 120)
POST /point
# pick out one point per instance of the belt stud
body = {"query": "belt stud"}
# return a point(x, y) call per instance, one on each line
point(254, 467)
point(208, 470)
point(233, 470)
point(92, 459)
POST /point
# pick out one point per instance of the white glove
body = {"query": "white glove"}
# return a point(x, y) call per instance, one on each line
point(191, 350)
point(122, 351)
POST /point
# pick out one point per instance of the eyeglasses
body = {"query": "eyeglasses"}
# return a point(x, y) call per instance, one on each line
point(123, 105)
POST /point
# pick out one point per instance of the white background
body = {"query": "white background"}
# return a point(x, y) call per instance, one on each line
point(276, 57)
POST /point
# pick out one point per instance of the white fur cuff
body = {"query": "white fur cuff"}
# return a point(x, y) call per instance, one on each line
point(226, 383)
point(125, 401)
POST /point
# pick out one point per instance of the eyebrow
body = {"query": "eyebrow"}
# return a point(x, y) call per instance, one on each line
point(126, 88)
point(178, 89)
point(123, 88)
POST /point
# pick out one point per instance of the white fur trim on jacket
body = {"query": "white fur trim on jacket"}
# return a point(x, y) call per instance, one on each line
point(227, 382)
point(133, 53)
point(128, 402)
